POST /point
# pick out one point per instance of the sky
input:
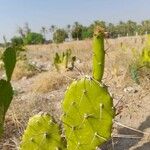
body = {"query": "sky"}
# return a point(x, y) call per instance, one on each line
point(38, 13)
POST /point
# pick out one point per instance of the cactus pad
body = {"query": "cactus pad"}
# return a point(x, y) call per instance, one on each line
point(146, 52)
point(62, 61)
point(88, 114)
point(6, 91)
point(9, 59)
point(42, 134)
point(6, 95)
point(146, 56)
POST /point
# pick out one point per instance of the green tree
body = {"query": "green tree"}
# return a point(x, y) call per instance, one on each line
point(87, 32)
point(100, 23)
point(17, 41)
point(59, 36)
point(131, 27)
point(77, 31)
point(33, 38)
point(111, 28)
point(145, 27)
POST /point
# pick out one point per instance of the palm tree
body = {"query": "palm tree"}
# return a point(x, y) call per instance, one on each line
point(52, 30)
point(77, 31)
point(69, 31)
point(21, 32)
point(27, 29)
point(43, 31)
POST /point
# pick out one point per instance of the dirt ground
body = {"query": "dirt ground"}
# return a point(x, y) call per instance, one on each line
point(44, 89)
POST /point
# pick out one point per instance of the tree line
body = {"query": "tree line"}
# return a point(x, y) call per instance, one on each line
point(77, 31)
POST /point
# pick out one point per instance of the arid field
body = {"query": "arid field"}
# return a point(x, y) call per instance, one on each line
point(39, 87)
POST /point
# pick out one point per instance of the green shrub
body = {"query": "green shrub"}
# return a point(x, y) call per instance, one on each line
point(17, 41)
point(59, 36)
point(33, 38)
point(77, 31)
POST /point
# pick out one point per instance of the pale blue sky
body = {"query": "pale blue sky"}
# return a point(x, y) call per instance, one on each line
point(37, 13)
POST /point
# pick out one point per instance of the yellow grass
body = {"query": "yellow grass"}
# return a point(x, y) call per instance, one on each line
point(49, 81)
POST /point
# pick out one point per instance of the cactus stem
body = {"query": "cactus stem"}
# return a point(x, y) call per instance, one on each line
point(98, 54)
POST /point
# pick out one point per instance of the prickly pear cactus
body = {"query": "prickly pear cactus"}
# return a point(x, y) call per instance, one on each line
point(6, 90)
point(42, 133)
point(88, 106)
point(146, 52)
point(6, 95)
point(9, 59)
point(62, 61)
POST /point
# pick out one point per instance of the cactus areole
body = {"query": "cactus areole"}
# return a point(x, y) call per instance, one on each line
point(88, 106)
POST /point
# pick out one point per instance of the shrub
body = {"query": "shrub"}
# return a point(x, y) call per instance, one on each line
point(17, 41)
point(33, 38)
point(23, 69)
point(59, 36)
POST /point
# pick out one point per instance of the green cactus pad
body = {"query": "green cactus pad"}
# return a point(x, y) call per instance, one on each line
point(6, 95)
point(42, 134)
point(98, 53)
point(9, 59)
point(146, 56)
point(88, 114)
point(62, 60)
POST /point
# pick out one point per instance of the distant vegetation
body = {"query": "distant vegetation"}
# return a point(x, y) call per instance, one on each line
point(33, 38)
point(77, 31)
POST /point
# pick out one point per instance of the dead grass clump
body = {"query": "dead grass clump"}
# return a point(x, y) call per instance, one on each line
point(49, 81)
point(23, 69)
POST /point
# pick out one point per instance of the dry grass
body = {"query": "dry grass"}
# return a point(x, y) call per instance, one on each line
point(21, 70)
point(86, 44)
point(49, 81)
